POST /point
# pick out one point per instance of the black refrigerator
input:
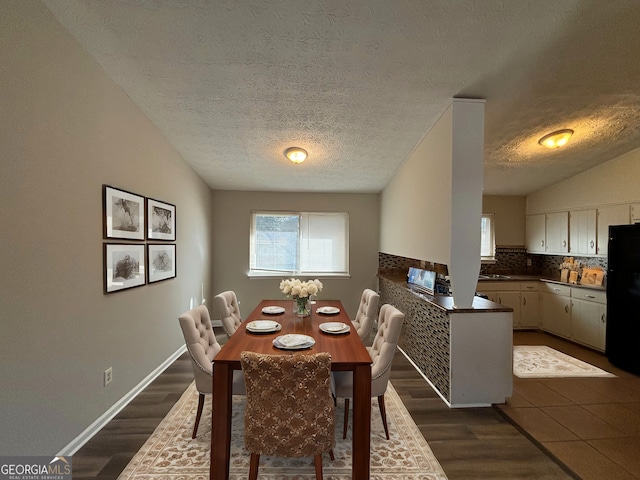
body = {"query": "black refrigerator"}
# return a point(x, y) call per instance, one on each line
point(623, 297)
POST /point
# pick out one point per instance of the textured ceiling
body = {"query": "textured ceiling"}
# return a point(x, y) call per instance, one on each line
point(358, 84)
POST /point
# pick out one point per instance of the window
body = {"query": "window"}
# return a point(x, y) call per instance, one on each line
point(300, 243)
point(487, 239)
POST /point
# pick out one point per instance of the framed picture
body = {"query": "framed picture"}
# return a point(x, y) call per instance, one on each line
point(161, 220)
point(123, 214)
point(161, 262)
point(124, 266)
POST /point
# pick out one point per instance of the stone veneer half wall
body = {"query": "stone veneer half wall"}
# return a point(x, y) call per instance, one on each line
point(425, 334)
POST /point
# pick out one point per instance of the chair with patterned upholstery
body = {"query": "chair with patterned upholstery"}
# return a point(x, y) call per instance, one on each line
point(203, 346)
point(366, 314)
point(289, 410)
point(381, 351)
point(229, 311)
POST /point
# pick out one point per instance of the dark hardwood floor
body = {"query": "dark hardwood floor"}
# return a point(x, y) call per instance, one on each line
point(469, 443)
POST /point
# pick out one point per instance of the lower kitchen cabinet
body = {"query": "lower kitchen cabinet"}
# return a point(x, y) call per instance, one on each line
point(556, 309)
point(589, 317)
point(523, 297)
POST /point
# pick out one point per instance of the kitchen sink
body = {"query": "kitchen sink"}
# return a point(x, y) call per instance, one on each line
point(493, 276)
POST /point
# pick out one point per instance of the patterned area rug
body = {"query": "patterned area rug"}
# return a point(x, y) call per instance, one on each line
point(545, 362)
point(171, 454)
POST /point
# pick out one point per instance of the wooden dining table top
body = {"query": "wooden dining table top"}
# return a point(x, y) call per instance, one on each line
point(346, 349)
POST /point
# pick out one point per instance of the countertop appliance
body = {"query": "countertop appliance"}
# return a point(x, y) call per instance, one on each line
point(623, 297)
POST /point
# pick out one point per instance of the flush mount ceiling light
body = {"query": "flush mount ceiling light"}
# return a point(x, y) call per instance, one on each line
point(295, 154)
point(556, 139)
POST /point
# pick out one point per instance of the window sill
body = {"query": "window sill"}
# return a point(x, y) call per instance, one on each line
point(320, 275)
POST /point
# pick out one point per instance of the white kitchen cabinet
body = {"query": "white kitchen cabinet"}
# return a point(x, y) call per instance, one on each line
point(582, 232)
point(522, 297)
point(536, 233)
point(529, 305)
point(589, 317)
point(635, 213)
point(557, 229)
point(556, 309)
point(607, 216)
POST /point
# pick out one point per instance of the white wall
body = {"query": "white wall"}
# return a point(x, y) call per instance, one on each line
point(431, 209)
point(231, 223)
point(509, 217)
point(612, 182)
point(66, 129)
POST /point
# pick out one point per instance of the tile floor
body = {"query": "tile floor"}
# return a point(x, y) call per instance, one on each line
point(592, 425)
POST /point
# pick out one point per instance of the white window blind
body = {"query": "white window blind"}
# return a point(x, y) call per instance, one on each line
point(487, 238)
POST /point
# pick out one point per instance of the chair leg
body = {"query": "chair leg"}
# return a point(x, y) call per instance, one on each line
point(199, 414)
point(331, 456)
point(253, 466)
point(346, 417)
point(317, 460)
point(383, 414)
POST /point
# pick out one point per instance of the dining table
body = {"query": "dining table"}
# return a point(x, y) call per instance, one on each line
point(348, 353)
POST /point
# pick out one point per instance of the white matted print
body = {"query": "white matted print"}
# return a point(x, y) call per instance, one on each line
point(161, 220)
point(123, 214)
point(124, 266)
point(161, 262)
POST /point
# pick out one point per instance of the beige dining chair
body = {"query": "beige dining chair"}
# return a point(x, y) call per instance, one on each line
point(289, 411)
point(226, 304)
point(366, 314)
point(382, 350)
point(203, 346)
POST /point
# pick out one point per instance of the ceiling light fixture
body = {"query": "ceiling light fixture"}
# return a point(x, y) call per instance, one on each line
point(295, 154)
point(556, 139)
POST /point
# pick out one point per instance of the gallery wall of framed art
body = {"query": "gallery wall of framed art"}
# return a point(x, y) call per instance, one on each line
point(129, 217)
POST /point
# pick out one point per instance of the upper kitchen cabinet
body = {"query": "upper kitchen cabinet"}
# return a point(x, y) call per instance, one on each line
point(536, 233)
point(607, 216)
point(582, 232)
point(557, 229)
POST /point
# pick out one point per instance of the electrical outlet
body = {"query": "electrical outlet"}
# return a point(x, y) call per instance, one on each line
point(528, 262)
point(108, 376)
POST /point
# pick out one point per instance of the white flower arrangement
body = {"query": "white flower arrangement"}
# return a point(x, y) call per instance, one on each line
point(299, 289)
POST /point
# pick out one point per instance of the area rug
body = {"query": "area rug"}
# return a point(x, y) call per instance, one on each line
point(533, 361)
point(171, 454)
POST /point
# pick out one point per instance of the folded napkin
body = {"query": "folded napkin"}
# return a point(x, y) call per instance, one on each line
point(335, 327)
point(293, 340)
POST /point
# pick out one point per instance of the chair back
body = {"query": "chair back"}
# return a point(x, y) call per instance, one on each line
point(290, 409)
point(366, 314)
point(227, 305)
point(201, 344)
point(383, 347)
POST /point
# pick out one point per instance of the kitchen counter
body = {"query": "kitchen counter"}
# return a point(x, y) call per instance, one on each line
point(534, 278)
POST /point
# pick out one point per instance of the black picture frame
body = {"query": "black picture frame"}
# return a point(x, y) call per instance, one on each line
point(123, 214)
point(124, 266)
point(161, 262)
point(161, 220)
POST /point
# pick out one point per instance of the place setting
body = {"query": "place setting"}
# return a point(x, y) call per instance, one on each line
point(273, 310)
point(328, 310)
point(263, 326)
point(334, 328)
point(293, 341)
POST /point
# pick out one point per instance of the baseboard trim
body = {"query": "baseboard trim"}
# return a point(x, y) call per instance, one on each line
point(107, 416)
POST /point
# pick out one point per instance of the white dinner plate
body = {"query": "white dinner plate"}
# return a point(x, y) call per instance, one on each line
point(293, 341)
point(328, 310)
point(263, 326)
point(334, 327)
point(273, 310)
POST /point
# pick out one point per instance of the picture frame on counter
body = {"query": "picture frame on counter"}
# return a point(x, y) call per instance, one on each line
point(161, 220)
point(124, 266)
point(161, 260)
point(123, 214)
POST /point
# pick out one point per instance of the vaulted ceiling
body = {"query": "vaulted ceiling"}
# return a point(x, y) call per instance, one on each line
point(358, 83)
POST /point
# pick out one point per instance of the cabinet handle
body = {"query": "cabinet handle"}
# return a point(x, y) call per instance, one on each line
point(603, 317)
point(564, 243)
point(500, 300)
point(589, 296)
point(566, 308)
point(524, 301)
point(530, 287)
point(556, 289)
point(542, 243)
point(592, 244)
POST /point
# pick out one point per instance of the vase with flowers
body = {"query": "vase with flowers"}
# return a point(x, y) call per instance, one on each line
point(301, 292)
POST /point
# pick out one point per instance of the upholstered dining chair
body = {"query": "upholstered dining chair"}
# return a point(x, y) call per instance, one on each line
point(382, 350)
point(366, 314)
point(229, 310)
point(290, 409)
point(203, 346)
